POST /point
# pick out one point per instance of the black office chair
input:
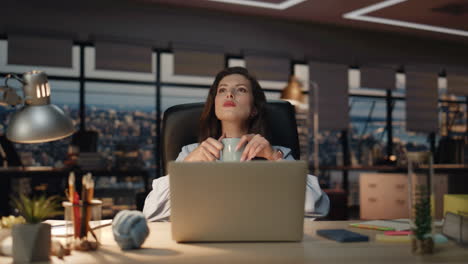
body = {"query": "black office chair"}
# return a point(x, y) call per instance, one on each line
point(180, 128)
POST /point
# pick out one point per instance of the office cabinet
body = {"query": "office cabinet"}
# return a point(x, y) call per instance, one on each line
point(385, 195)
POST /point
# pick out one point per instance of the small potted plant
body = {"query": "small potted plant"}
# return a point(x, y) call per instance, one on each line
point(422, 242)
point(32, 240)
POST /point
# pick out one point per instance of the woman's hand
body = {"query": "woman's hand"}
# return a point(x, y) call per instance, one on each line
point(208, 150)
point(257, 146)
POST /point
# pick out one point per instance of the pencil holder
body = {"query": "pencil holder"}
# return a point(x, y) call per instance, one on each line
point(81, 221)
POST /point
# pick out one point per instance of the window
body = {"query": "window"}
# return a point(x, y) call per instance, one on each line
point(167, 73)
point(265, 84)
point(330, 148)
point(125, 118)
point(367, 135)
point(172, 95)
point(404, 141)
point(57, 71)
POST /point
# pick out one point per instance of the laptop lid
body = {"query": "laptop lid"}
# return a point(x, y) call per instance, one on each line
point(237, 201)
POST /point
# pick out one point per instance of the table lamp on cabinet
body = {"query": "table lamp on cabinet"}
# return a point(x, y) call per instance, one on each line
point(293, 92)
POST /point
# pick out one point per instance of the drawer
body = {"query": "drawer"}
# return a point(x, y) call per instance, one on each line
point(396, 188)
point(371, 207)
point(371, 184)
point(384, 185)
point(378, 207)
point(370, 188)
point(395, 208)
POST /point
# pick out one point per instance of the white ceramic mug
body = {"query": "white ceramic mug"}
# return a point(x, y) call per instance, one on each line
point(229, 152)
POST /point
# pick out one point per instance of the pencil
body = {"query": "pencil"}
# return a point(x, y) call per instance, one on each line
point(71, 186)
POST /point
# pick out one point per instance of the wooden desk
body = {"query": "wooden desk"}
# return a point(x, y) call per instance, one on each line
point(160, 248)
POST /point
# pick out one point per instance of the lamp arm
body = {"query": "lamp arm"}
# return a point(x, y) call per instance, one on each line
point(13, 76)
point(10, 97)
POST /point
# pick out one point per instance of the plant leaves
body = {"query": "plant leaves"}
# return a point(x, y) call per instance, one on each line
point(37, 209)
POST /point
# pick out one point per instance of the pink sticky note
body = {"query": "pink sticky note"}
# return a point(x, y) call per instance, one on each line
point(397, 233)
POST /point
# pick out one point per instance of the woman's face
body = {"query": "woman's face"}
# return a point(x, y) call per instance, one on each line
point(234, 99)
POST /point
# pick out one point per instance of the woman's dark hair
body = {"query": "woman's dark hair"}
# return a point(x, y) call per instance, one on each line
point(210, 126)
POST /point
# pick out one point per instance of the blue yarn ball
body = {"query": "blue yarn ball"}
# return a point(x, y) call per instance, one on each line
point(130, 229)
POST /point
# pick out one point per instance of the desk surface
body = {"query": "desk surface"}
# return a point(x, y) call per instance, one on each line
point(160, 248)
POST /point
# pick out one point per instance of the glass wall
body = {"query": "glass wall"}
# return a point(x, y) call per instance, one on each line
point(124, 116)
point(174, 95)
point(367, 135)
point(452, 141)
point(330, 148)
point(404, 140)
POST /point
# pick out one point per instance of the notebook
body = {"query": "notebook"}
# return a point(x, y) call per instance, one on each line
point(237, 201)
point(342, 235)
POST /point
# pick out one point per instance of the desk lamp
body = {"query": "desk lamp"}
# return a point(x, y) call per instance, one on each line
point(293, 92)
point(38, 121)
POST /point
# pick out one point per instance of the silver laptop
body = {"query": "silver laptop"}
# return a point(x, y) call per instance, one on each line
point(237, 201)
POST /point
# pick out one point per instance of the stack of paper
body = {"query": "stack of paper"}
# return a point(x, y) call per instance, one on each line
point(384, 225)
point(59, 227)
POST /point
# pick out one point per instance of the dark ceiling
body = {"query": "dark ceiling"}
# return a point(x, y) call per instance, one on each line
point(451, 14)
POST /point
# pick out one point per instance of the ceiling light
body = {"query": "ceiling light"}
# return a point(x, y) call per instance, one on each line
point(278, 6)
point(360, 14)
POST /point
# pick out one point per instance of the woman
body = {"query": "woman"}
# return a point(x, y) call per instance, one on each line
point(234, 108)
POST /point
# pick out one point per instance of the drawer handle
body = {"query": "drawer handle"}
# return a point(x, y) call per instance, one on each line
point(372, 200)
point(372, 185)
point(400, 186)
point(400, 202)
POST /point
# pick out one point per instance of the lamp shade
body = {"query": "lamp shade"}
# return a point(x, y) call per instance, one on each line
point(39, 123)
point(293, 91)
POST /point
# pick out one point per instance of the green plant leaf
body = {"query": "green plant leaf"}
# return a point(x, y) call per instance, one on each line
point(37, 209)
point(422, 211)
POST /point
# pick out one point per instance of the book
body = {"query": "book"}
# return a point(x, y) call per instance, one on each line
point(342, 235)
